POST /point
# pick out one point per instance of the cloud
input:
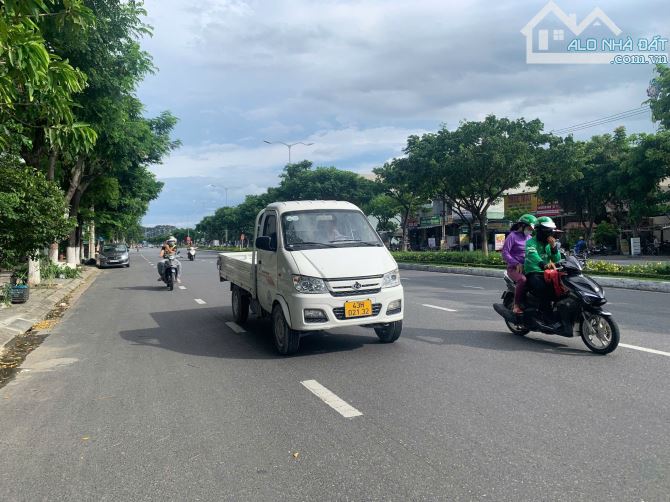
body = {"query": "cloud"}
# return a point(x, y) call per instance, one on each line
point(357, 76)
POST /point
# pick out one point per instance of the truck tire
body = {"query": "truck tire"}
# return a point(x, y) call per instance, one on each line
point(286, 339)
point(240, 305)
point(389, 333)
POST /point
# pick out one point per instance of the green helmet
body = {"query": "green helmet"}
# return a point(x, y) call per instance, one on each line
point(528, 219)
point(546, 222)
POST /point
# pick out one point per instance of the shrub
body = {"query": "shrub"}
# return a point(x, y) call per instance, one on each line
point(463, 258)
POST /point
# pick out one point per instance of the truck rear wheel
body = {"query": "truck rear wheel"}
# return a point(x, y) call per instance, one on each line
point(287, 340)
point(240, 305)
point(389, 333)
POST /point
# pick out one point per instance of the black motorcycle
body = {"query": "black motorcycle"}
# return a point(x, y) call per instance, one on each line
point(581, 307)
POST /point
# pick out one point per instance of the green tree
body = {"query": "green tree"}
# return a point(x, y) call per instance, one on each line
point(32, 211)
point(386, 210)
point(636, 180)
point(659, 96)
point(37, 84)
point(397, 179)
point(301, 182)
point(475, 164)
point(577, 174)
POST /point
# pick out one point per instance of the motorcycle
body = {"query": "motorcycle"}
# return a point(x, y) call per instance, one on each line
point(170, 270)
point(191, 253)
point(581, 307)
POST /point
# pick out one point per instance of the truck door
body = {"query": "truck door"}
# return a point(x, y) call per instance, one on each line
point(267, 263)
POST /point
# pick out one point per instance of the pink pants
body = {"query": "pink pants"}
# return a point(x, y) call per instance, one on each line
point(520, 280)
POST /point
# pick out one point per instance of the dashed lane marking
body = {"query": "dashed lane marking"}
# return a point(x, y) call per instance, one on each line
point(644, 349)
point(199, 301)
point(182, 287)
point(438, 308)
point(331, 399)
point(235, 327)
point(471, 287)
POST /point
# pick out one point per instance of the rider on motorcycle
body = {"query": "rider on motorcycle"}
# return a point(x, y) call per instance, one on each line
point(169, 247)
point(514, 252)
point(541, 254)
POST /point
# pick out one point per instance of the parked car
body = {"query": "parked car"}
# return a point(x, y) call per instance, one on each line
point(113, 255)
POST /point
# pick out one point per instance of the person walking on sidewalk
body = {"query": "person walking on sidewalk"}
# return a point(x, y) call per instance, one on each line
point(514, 253)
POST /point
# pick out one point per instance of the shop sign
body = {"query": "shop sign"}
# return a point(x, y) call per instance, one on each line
point(551, 209)
point(524, 202)
point(431, 221)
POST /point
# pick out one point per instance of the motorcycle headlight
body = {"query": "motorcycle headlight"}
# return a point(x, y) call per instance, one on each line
point(310, 285)
point(391, 279)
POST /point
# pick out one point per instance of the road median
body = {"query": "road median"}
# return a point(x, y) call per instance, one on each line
point(658, 286)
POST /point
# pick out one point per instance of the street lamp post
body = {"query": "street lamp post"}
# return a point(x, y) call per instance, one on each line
point(287, 145)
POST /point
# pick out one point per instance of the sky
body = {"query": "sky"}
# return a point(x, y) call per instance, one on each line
point(356, 78)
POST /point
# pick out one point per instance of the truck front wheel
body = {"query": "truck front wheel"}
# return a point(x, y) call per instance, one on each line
point(286, 339)
point(240, 304)
point(389, 333)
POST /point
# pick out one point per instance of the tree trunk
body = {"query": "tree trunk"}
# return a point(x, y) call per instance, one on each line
point(53, 253)
point(91, 238)
point(53, 157)
point(404, 231)
point(34, 272)
point(483, 229)
point(72, 241)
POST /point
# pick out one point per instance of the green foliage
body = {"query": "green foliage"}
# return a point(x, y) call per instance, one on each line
point(471, 167)
point(462, 258)
point(386, 209)
point(37, 85)
point(32, 211)
point(647, 270)
point(606, 233)
point(49, 270)
point(660, 103)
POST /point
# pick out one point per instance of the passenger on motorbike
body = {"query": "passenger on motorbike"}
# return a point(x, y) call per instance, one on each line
point(541, 254)
point(168, 248)
point(514, 253)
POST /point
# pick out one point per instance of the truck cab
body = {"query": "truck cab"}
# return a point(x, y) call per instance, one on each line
point(316, 265)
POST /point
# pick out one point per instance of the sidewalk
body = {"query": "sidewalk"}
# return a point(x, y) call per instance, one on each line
point(20, 317)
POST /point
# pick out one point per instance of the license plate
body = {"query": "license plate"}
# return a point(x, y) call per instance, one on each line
point(359, 308)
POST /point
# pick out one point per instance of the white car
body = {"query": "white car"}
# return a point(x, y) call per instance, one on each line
point(316, 265)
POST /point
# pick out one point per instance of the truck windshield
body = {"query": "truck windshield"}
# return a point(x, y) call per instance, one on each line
point(326, 229)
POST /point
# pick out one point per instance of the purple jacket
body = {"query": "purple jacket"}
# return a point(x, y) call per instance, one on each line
point(514, 250)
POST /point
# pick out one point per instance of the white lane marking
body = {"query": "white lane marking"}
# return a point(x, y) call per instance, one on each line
point(471, 287)
point(198, 300)
point(339, 405)
point(438, 308)
point(235, 327)
point(405, 279)
point(182, 287)
point(644, 349)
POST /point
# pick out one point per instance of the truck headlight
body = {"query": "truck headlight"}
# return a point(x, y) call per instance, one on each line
point(391, 279)
point(310, 285)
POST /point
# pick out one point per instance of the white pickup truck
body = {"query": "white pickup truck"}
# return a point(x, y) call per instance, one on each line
point(316, 265)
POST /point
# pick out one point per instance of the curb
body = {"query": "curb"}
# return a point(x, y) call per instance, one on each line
point(610, 282)
point(14, 327)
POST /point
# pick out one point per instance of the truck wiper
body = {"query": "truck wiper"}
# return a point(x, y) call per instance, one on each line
point(364, 243)
point(308, 243)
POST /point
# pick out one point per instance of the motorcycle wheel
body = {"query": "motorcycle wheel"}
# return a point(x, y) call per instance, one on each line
point(600, 333)
point(516, 329)
point(170, 280)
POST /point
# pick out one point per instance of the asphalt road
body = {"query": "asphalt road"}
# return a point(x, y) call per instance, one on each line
point(144, 394)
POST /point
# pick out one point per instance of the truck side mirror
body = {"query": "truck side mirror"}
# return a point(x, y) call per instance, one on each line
point(263, 243)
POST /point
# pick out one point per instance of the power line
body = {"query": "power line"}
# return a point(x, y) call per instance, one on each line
point(603, 120)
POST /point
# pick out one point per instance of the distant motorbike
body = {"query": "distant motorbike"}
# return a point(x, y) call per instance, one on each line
point(581, 307)
point(170, 270)
point(191, 253)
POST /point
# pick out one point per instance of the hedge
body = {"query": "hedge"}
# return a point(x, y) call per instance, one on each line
point(494, 260)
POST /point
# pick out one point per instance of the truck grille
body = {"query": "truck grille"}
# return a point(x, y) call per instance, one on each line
point(353, 292)
point(339, 312)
